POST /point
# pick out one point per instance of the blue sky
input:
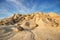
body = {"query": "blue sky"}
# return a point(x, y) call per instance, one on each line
point(8, 7)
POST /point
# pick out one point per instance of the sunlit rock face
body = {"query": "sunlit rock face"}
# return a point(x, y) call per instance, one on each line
point(35, 26)
point(50, 18)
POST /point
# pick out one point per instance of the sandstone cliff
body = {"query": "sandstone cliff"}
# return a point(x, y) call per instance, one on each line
point(30, 20)
point(35, 26)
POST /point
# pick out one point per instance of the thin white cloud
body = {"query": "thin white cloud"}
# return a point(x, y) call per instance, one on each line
point(3, 11)
point(19, 5)
point(46, 6)
point(11, 0)
point(21, 8)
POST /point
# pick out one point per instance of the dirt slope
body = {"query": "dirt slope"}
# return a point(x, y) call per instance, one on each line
point(36, 26)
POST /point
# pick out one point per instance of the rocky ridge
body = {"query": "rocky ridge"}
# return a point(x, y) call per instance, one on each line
point(36, 26)
point(32, 19)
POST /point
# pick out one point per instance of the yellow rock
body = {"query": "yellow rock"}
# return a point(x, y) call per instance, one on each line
point(14, 29)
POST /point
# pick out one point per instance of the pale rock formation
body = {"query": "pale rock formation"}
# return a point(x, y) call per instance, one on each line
point(36, 26)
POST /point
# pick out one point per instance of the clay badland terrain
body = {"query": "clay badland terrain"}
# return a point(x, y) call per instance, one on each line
point(35, 26)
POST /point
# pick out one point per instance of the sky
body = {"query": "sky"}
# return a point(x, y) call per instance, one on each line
point(8, 7)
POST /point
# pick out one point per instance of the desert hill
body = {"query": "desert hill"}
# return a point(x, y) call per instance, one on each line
point(32, 19)
point(36, 26)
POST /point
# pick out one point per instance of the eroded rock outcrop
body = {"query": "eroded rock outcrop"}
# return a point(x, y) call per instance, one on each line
point(36, 26)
